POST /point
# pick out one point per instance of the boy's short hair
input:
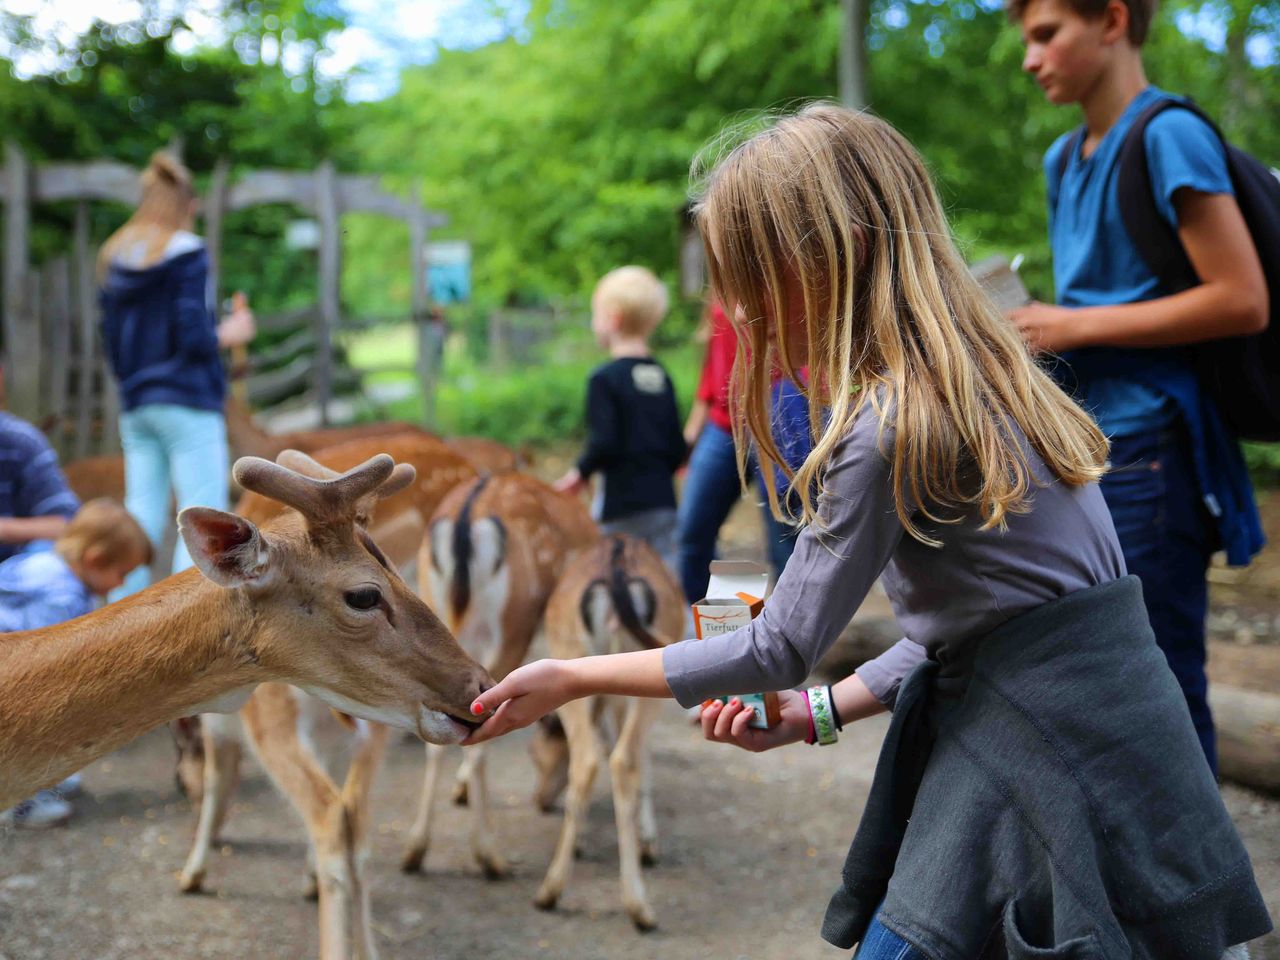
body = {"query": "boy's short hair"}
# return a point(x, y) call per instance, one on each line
point(636, 295)
point(107, 526)
point(1141, 13)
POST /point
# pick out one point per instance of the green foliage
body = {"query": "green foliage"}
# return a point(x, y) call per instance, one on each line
point(539, 404)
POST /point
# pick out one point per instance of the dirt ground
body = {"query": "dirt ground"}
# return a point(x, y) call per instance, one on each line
point(751, 848)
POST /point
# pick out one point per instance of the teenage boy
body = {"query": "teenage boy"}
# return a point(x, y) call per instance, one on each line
point(1178, 489)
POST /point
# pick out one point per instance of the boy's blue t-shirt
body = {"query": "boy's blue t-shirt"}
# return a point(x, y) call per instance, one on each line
point(1095, 263)
point(39, 589)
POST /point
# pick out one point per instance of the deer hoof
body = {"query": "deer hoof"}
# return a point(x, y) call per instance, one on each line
point(546, 900)
point(643, 918)
point(191, 882)
point(648, 853)
point(412, 860)
point(494, 867)
point(460, 793)
point(311, 888)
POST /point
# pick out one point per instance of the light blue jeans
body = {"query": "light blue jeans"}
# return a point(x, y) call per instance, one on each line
point(168, 447)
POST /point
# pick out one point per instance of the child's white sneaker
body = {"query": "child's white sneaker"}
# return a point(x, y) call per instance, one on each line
point(46, 809)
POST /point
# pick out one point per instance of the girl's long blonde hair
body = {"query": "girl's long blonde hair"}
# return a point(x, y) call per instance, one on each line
point(836, 207)
point(167, 193)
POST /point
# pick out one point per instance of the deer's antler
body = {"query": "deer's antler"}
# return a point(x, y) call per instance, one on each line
point(299, 462)
point(320, 501)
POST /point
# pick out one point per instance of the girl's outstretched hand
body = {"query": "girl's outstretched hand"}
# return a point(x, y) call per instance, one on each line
point(727, 723)
point(521, 697)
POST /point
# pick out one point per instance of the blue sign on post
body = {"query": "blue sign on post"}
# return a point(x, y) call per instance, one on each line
point(449, 271)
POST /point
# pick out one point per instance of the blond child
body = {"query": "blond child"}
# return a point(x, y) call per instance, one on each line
point(92, 556)
point(634, 439)
point(1040, 790)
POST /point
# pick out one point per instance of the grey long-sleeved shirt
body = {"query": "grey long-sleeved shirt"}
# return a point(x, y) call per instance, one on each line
point(943, 596)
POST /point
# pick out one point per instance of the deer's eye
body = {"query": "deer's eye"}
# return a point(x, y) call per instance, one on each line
point(364, 598)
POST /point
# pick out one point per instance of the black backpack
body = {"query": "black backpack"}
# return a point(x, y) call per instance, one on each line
point(1241, 373)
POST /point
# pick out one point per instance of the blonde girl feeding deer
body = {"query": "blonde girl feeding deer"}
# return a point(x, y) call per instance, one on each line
point(1040, 791)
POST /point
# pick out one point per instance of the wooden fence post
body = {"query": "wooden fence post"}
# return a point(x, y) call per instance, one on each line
point(328, 214)
point(56, 331)
point(430, 333)
point(21, 337)
point(86, 328)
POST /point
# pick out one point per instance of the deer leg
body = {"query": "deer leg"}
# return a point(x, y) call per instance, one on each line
point(420, 832)
point(648, 823)
point(549, 749)
point(483, 840)
point(221, 774)
point(624, 769)
point(584, 761)
point(355, 800)
point(462, 778)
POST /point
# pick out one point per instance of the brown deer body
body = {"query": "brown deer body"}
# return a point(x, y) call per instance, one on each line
point(617, 596)
point(493, 553)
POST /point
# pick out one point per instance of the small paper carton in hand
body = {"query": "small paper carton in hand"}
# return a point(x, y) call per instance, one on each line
point(735, 597)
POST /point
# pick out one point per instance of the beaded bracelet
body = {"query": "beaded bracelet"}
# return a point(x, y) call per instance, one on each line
point(824, 724)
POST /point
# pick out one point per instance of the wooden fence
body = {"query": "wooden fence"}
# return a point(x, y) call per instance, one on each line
point(55, 375)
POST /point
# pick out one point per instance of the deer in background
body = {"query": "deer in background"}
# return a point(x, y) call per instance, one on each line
point(307, 599)
point(492, 555)
point(617, 596)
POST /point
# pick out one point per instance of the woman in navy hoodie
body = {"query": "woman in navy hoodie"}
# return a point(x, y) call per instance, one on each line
point(162, 341)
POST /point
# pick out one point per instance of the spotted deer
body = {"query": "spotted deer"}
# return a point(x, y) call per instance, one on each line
point(493, 553)
point(324, 762)
point(617, 596)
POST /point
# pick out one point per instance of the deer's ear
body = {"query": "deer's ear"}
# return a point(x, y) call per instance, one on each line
point(228, 549)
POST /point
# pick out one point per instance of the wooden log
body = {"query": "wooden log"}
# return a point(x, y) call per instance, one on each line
point(1248, 725)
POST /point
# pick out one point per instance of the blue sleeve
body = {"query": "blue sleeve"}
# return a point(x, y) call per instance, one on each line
point(40, 489)
point(54, 607)
point(1183, 152)
point(604, 440)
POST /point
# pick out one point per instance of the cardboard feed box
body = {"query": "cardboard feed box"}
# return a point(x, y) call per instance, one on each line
point(735, 597)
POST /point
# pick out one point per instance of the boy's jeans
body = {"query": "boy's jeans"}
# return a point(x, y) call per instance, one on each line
point(167, 445)
point(881, 943)
point(1166, 536)
point(655, 527)
point(711, 488)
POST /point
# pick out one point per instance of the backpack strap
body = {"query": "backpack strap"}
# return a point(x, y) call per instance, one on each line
point(1154, 237)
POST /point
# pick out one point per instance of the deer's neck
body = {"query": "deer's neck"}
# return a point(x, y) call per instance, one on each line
point(73, 692)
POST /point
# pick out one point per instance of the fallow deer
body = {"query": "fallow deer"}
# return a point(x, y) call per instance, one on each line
point(493, 553)
point(308, 599)
point(305, 748)
point(617, 596)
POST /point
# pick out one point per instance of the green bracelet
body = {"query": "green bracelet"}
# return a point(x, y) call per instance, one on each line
point(824, 721)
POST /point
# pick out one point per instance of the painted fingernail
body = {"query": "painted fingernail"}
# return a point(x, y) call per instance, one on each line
point(707, 702)
point(477, 708)
point(735, 702)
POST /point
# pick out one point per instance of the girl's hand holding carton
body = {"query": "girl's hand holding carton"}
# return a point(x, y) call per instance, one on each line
point(732, 722)
point(735, 597)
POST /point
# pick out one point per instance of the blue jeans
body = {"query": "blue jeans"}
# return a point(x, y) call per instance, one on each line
point(168, 446)
point(711, 488)
point(881, 943)
point(1166, 536)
